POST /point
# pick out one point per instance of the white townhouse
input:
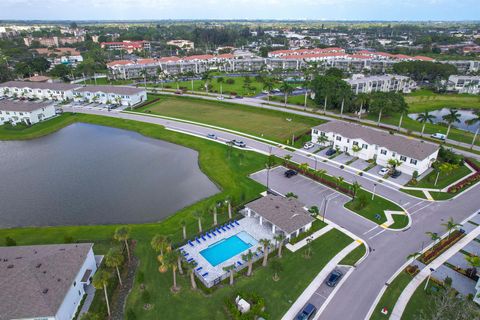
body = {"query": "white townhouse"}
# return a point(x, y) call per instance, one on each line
point(26, 112)
point(123, 95)
point(44, 282)
point(464, 84)
point(379, 145)
point(382, 83)
point(38, 90)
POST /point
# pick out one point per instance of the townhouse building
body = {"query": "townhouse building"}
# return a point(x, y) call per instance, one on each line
point(26, 112)
point(381, 83)
point(372, 144)
point(44, 282)
point(126, 45)
point(122, 95)
point(38, 90)
point(464, 84)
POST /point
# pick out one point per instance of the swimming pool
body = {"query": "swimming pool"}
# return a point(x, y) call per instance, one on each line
point(227, 248)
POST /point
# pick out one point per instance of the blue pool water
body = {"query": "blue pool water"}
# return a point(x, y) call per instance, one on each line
point(225, 249)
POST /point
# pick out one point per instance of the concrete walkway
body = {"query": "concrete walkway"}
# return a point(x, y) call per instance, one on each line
point(425, 272)
point(297, 246)
point(312, 287)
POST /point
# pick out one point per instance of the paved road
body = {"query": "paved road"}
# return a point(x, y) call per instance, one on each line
point(295, 109)
point(388, 248)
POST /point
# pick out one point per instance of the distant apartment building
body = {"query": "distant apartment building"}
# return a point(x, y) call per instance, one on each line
point(122, 95)
point(26, 112)
point(128, 46)
point(299, 52)
point(182, 44)
point(464, 84)
point(464, 66)
point(53, 41)
point(378, 145)
point(382, 83)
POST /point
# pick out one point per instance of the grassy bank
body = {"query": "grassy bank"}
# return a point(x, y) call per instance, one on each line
point(274, 125)
point(391, 295)
point(21, 132)
point(425, 100)
point(354, 256)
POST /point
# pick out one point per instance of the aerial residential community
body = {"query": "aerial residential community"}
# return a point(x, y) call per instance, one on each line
point(288, 160)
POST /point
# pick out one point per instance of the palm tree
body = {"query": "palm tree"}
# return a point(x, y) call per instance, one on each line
point(474, 121)
point(159, 243)
point(228, 201)
point(123, 234)
point(304, 167)
point(279, 238)
point(394, 163)
point(414, 255)
point(114, 259)
point(171, 261)
point(322, 139)
point(355, 188)
point(434, 236)
point(286, 159)
point(213, 210)
point(190, 267)
point(276, 268)
point(338, 180)
point(450, 225)
point(231, 270)
point(321, 172)
point(424, 118)
point(248, 257)
point(199, 216)
point(361, 99)
point(402, 108)
point(286, 88)
point(100, 281)
point(183, 223)
point(473, 261)
point(452, 117)
point(268, 86)
point(143, 73)
point(265, 243)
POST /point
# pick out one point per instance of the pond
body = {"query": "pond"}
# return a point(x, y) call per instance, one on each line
point(87, 174)
point(464, 115)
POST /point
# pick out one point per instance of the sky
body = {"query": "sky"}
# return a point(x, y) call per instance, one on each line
point(405, 10)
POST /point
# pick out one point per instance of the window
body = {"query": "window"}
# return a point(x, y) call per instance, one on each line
point(413, 161)
point(393, 154)
point(383, 151)
point(403, 158)
point(339, 138)
point(322, 133)
point(355, 143)
point(364, 146)
point(315, 131)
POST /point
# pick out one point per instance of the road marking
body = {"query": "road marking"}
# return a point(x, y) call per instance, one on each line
point(370, 230)
point(412, 213)
point(416, 204)
point(377, 234)
point(406, 204)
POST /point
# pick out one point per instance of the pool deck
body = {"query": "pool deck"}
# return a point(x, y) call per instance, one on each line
point(249, 225)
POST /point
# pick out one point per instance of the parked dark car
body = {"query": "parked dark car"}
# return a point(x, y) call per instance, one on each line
point(330, 152)
point(334, 278)
point(396, 174)
point(290, 173)
point(307, 312)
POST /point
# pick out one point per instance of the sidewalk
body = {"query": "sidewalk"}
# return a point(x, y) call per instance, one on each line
point(407, 293)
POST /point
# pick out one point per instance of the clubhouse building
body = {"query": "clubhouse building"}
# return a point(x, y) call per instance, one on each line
point(373, 144)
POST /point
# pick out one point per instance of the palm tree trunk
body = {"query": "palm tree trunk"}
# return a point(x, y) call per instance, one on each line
point(174, 272)
point(215, 216)
point(448, 131)
point(229, 210)
point(128, 249)
point(106, 299)
point(341, 108)
point(286, 97)
point(192, 280)
point(119, 278)
point(325, 105)
point(360, 112)
point(474, 138)
point(423, 129)
point(379, 117)
point(280, 249)
point(231, 277)
point(265, 256)
point(184, 232)
point(250, 266)
point(268, 96)
point(199, 225)
point(400, 122)
point(179, 262)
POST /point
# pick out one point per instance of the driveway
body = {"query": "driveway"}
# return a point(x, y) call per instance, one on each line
point(473, 248)
point(360, 164)
point(403, 179)
point(458, 260)
point(343, 158)
point(375, 170)
point(462, 284)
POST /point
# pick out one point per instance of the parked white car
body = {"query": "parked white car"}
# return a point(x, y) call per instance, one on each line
point(308, 145)
point(383, 171)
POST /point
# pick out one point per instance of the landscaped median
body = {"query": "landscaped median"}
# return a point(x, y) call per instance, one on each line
point(362, 202)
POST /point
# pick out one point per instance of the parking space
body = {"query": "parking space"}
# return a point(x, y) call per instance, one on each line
point(458, 260)
point(476, 219)
point(403, 179)
point(375, 170)
point(323, 152)
point(461, 283)
point(324, 291)
point(360, 164)
point(468, 227)
point(473, 248)
point(343, 158)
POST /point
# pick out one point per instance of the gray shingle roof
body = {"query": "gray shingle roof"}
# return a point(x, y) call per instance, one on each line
point(124, 90)
point(40, 85)
point(288, 214)
point(402, 145)
point(22, 106)
point(35, 279)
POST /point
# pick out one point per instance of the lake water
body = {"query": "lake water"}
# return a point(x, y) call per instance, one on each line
point(464, 115)
point(88, 174)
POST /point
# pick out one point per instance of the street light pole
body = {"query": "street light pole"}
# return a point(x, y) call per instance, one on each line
point(428, 279)
point(315, 163)
point(325, 209)
point(374, 187)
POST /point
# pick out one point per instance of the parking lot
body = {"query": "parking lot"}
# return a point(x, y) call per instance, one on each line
point(95, 106)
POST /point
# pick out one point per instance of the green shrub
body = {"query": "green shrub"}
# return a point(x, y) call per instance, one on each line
point(10, 242)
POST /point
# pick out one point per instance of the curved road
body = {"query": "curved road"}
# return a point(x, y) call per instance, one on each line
point(389, 249)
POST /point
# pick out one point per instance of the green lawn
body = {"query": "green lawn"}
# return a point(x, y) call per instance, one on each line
point(106, 81)
point(425, 100)
point(274, 125)
point(415, 193)
point(354, 256)
point(296, 275)
point(443, 180)
point(390, 296)
point(420, 301)
point(237, 87)
point(297, 99)
point(21, 132)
